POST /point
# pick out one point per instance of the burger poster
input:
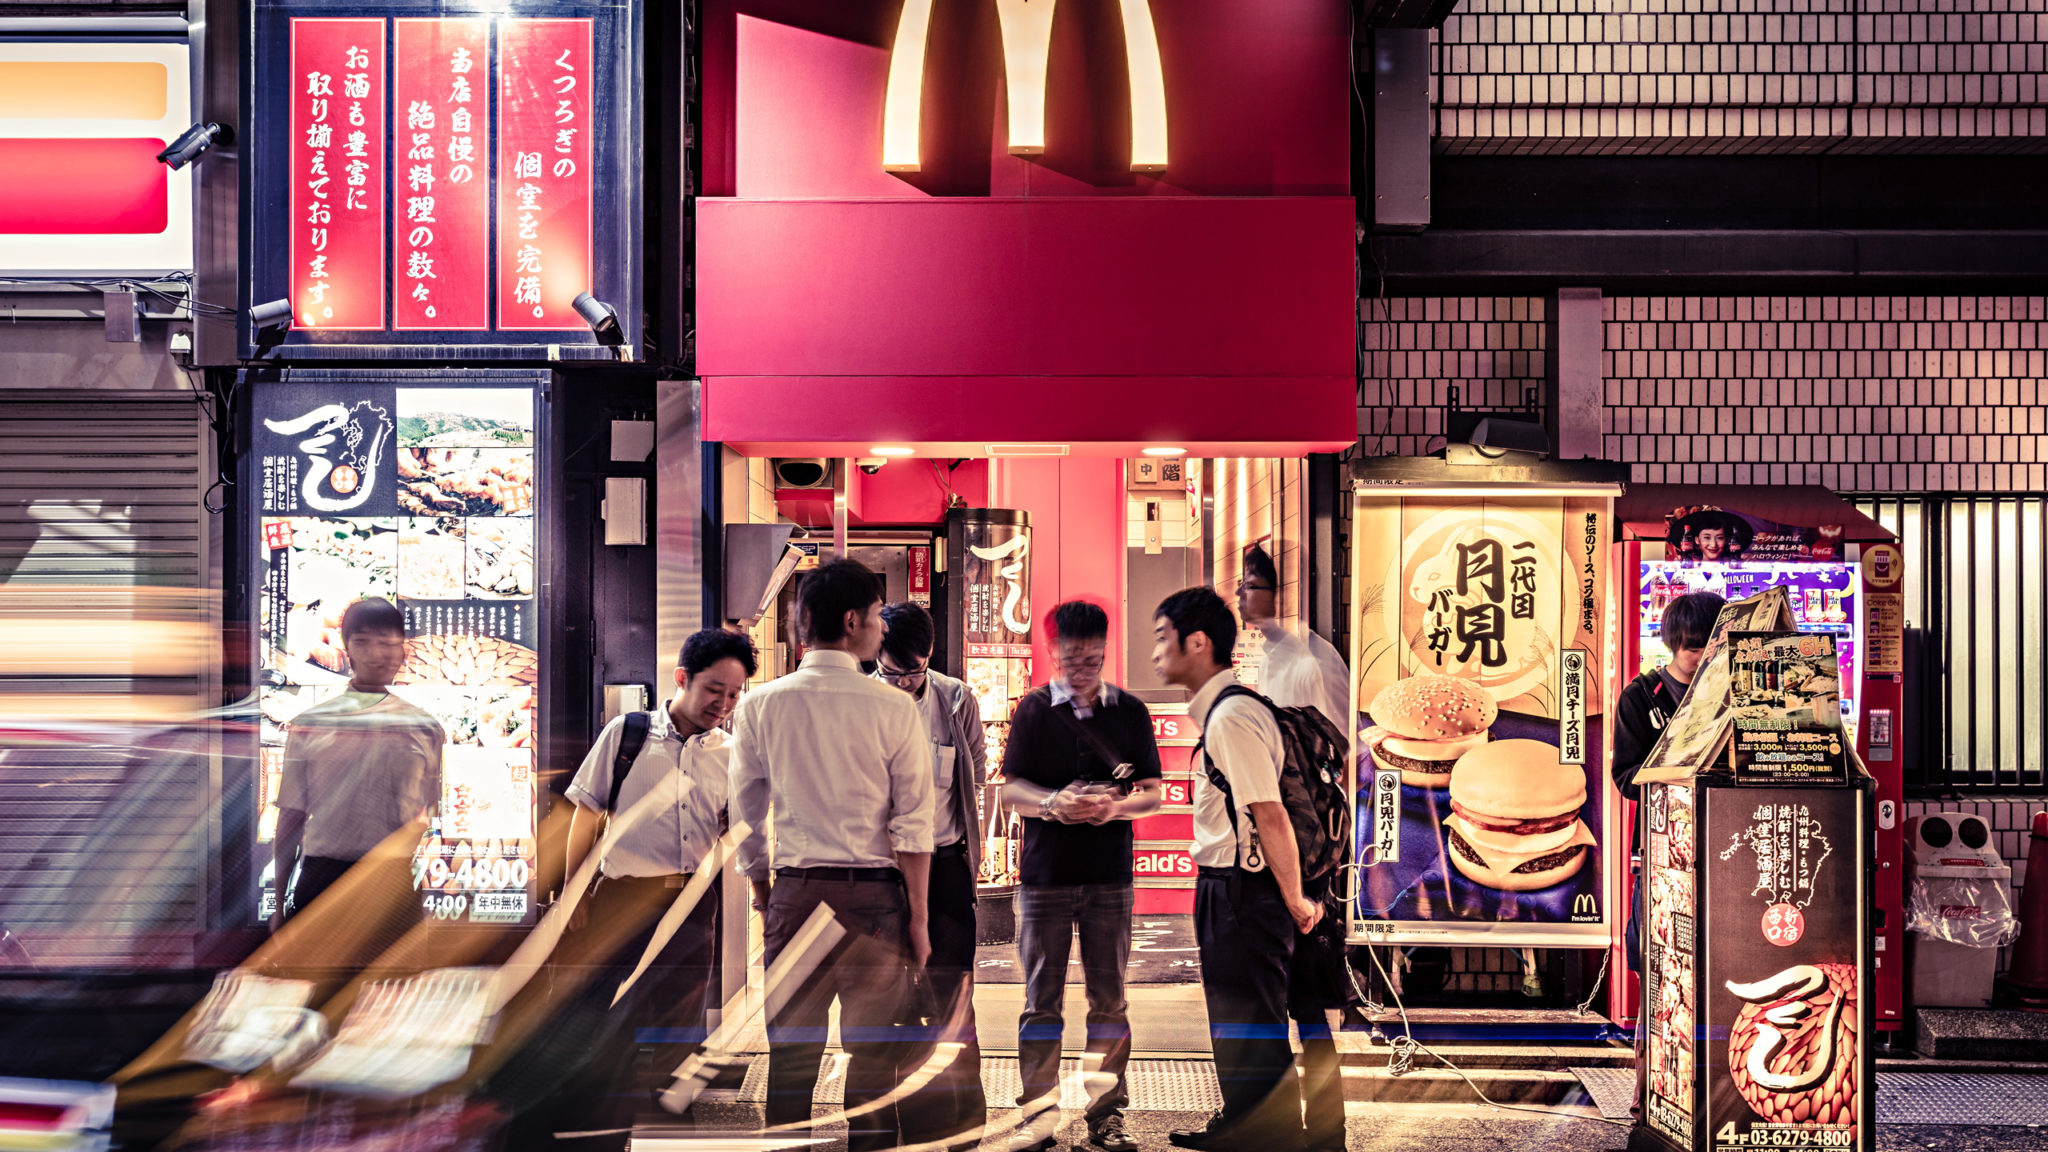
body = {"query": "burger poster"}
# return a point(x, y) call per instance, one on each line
point(1784, 1037)
point(1479, 628)
point(424, 497)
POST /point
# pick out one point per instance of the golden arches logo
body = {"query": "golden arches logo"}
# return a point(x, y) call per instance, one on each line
point(1027, 46)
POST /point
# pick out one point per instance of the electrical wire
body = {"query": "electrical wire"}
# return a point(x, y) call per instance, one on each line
point(1401, 1058)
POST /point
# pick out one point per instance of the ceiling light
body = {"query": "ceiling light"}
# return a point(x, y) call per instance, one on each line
point(892, 450)
point(1165, 450)
point(1027, 449)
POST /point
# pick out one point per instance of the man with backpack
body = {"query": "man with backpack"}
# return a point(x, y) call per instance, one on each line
point(655, 785)
point(1301, 670)
point(1261, 774)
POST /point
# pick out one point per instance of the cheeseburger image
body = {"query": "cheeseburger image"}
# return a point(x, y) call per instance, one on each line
point(1422, 724)
point(1514, 822)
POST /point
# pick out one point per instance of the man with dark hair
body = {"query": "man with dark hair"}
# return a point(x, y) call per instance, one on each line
point(1649, 701)
point(955, 1103)
point(1249, 903)
point(1080, 764)
point(844, 764)
point(358, 766)
point(1301, 670)
point(655, 783)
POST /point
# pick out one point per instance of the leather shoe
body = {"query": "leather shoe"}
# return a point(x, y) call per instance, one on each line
point(1215, 1135)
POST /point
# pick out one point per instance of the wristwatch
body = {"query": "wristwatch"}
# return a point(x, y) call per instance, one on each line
point(1045, 806)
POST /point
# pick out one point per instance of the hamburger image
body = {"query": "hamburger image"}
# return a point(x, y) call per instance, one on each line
point(1421, 726)
point(1514, 822)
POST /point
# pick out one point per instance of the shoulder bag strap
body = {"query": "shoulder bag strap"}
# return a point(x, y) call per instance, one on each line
point(631, 740)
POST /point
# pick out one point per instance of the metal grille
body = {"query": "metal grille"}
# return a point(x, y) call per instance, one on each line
point(1976, 599)
point(1156, 1085)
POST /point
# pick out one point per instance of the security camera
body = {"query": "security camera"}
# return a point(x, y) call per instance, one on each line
point(193, 141)
point(869, 465)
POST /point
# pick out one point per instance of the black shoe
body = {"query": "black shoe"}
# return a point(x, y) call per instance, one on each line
point(1108, 1134)
point(1213, 1135)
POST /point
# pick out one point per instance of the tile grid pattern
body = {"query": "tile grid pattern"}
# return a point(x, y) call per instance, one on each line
point(1702, 76)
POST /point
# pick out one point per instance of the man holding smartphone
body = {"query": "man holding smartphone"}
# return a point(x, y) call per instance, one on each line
point(1080, 764)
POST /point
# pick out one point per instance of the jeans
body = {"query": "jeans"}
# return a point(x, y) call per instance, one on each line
point(1047, 917)
point(1246, 937)
point(869, 972)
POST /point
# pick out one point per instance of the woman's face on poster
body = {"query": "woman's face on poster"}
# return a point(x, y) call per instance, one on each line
point(1713, 543)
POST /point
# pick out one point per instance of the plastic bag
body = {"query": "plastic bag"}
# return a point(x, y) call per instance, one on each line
point(1973, 909)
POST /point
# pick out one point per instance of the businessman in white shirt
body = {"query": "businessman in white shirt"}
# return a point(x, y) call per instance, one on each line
point(842, 765)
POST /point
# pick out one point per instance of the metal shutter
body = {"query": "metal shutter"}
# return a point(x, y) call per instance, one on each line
point(107, 643)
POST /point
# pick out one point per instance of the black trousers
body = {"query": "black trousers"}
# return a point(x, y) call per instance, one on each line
point(581, 1069)
point(954, 1103)
point(869, 972)
point(1320, 1068)
point(1246, 941)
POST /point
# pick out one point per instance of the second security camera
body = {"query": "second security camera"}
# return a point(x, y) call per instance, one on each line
point(869, 465)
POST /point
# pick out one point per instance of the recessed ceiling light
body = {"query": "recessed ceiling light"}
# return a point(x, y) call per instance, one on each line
point(1027, 449)
point(1166, 451)
point(892, 450)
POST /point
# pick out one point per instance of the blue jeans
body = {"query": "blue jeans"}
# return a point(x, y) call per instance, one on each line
point(1047, 917)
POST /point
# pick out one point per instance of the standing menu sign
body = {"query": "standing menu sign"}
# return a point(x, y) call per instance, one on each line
point(1506, 593)
point(423, 496)
point(421, 175)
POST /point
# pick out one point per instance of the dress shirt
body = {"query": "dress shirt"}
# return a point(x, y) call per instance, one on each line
point(670, 803)
point(360, 766)
point(844, 762)
point(1241, 738)
point(1063, 692)
point(1301, 670)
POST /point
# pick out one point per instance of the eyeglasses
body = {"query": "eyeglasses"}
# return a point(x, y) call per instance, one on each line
point(1249, 586)
point(1086, 663)
point(900, 678)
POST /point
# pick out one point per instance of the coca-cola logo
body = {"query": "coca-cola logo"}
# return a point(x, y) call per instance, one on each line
point(1960, 911)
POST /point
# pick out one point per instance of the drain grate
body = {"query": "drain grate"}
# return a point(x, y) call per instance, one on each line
point(1613, 1089)
point(1956, 1098)
point(1156, 1085)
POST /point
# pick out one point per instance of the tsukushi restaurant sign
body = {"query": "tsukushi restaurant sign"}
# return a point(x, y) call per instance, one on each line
point(446, 180)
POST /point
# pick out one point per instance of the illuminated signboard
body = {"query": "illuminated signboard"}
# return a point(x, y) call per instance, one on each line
point(422, 175)
point(423, 496)
point(87, 120)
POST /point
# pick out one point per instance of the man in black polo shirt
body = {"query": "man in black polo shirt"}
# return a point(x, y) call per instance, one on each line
point(1080, 764)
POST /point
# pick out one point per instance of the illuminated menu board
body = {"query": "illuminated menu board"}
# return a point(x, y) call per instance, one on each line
point(423, 496)
point(426, 177)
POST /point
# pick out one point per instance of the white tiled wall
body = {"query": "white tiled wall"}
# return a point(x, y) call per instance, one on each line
point(1700, 76)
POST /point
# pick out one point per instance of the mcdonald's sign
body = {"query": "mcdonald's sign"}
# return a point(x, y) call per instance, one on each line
point(1027, 44)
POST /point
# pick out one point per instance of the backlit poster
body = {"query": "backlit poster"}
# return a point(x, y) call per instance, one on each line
point(424, 497)
point(1478, 635)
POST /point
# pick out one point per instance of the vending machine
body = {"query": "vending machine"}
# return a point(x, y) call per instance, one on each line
point(1843, 574)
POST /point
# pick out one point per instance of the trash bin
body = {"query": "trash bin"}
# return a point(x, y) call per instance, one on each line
point(1959, 910)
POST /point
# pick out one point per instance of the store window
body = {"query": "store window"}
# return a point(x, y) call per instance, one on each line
point(1976, 600)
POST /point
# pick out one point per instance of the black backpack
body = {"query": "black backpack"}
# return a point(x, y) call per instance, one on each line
point(1311, 787)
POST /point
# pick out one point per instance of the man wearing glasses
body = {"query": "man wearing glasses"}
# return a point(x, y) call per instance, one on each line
point(954, 1104)
point(1080, 764)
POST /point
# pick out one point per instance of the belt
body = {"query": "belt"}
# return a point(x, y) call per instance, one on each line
point(1217, 873)
point(842, 875)
point(956, 848)
point(672, 880)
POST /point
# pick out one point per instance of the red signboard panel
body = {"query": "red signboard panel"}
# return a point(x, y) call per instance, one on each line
point(544, 180)
point(337, 173)
point(441, 208)
point(84, 187)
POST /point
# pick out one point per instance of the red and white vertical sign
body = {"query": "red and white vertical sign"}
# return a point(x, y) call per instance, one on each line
point(920, 574)
point(337, 173)
point(544, 174)
point(441, 203)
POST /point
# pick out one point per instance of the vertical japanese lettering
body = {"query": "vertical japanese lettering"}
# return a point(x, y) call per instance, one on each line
point(440, 219)
point(337, 173)
point(544, 162)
